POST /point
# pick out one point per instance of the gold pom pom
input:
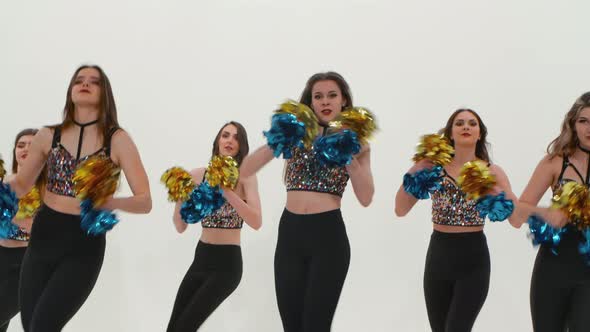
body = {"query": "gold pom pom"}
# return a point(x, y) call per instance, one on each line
point(96, 178)
point(303, 114)
point(572, 198)
point(358, 119)
point(222, 170)
point(179, 182)
point(28, 204)
point(2, 170)
point(435, 148)
point(475, 179)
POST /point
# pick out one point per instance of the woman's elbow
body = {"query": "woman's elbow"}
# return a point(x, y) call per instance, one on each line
point(179, 225)
point(515, 223)
point(365, 199)
point(256, 222)
point(147, 205)
point(399, 212)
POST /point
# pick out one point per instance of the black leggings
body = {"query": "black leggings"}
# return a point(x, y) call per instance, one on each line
point(456, 279)
point(311, 263)
point(214, 274)
point(59, 270)
point(560, 288)
point(10, 263)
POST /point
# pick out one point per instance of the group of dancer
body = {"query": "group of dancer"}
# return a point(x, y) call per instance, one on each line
point(49, 267)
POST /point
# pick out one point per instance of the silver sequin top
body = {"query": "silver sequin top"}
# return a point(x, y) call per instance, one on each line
point(450, 206)
point(304, 172)
point(224, 217)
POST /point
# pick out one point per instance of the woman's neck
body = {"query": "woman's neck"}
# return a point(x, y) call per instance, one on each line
point(85, 114)
point(464, 154)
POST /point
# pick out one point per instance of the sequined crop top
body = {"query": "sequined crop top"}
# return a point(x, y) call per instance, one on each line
point(61, 164)
point(225, 217)
point(451, 207)
point(21, 235)
point(304, 172)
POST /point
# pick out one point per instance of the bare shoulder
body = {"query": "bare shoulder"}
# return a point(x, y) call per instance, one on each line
point(120, 137)
point(44, 138)
point(551, 164)
point(45, 135)
point(197, 174)
point(495, 168)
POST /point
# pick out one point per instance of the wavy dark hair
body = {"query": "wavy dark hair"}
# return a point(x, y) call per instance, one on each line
point(481, 147)
point(565, 144)
point(327, 76)
point(242, 140)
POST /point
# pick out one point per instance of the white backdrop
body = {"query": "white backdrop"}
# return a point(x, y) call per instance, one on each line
point(180, 69)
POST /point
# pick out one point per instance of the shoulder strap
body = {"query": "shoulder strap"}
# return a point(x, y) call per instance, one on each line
point(108, 139)
point(564, 165)
point(56, 136)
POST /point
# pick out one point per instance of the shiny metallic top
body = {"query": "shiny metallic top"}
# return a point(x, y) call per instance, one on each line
point(61, 164)
point(450, 206)
point(304, 172)
point(225, 217)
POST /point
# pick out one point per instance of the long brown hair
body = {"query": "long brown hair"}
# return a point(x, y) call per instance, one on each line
point(481, 147)
point(242, 141)
point(24, 132)
point(107, 117)
point(565, 144)
point(327, 76)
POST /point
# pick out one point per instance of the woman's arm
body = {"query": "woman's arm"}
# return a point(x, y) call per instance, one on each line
point(543, 177)
point(503, 184)
point(361, 176)
point(250, 209)
point(126, 155)
point(404, 202)
point(255, 161)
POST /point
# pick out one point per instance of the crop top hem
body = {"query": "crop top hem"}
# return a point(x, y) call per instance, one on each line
point(316, 191)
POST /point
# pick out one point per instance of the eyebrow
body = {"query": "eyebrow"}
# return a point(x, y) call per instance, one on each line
point(92, 77)
point(331, 91)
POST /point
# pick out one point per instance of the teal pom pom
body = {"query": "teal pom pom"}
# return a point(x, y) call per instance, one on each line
point(203, 201)
point(96, 222)
point(337, 149)
point(285, 133)
point(423, 182)
point(8, 209)
point(495, 207)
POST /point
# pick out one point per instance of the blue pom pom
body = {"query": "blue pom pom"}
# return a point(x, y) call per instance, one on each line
point(423, 182)
point(285, 133)
point(8, 209)
point(584, 247)
point(96, 222)
point(337, 149)
point(543, 233)
point(203, 201)
point(495, 207)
